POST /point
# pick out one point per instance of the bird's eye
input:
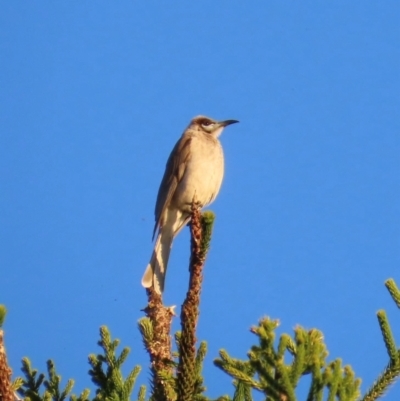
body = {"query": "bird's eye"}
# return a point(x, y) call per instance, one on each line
point(207, 123)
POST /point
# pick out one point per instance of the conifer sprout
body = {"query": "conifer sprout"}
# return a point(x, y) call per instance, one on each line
point(393, 290)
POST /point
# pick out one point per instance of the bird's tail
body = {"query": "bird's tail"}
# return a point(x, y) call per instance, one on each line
point(157, 268)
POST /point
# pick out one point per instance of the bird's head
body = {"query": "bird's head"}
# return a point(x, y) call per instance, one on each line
point(209, 126)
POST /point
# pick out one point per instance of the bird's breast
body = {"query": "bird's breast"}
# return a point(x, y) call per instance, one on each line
point(204, 172)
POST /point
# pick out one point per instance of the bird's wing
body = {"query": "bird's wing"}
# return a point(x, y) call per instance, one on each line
point(174, 171)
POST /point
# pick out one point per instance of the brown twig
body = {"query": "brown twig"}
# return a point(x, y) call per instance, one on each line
point(190, 311)
point(6, 390)
point(159, 346)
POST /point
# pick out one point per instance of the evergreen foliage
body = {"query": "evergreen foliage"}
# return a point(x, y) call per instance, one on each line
point(266, 369)
point(392, 370)
point(105, 373)
point(274, 366)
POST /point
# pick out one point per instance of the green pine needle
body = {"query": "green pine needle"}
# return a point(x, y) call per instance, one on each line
point(3, 312)
point(388, 336)
point(207, 222)
point(393, 290)
point(378, 389)
point(146, 329)
point(142, 393)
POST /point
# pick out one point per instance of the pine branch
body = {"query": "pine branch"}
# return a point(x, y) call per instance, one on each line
point(155, 330)
point(189, 383)
point(84, 396)
point(30, 386)
point(277, 379)
point(393, 290)
point(392, 371)
point(142, 393)
point(106, 371)
point(6, 387)
point(388, 337)
point(378, 389)
point(53, 384)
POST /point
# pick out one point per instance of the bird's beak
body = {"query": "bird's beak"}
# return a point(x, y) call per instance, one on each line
point(227, 122)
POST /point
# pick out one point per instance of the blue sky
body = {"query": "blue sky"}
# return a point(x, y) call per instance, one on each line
point(93, 97)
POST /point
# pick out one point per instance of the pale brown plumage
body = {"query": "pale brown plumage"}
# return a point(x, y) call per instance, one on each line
point(173, 174)
point(195, 167)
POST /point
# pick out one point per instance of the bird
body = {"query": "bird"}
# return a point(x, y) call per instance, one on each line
point(194, 171)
